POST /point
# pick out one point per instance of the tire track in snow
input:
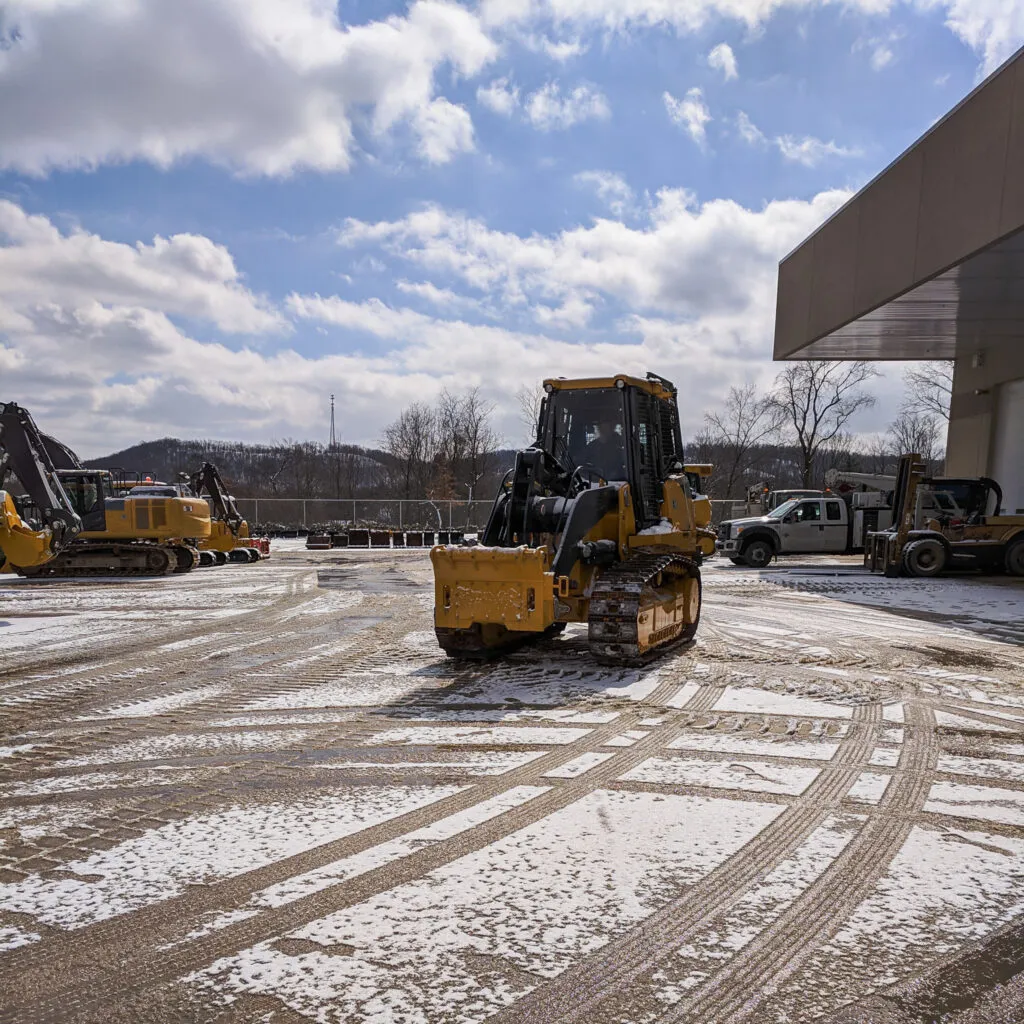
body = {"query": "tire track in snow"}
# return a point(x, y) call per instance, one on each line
point(38, 701)
point(737, 989)
point(624, 965)
point(123, 954)
point(295, 591)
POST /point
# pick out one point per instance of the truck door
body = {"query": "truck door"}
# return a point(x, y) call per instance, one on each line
point(803, 529)
point(834, 527)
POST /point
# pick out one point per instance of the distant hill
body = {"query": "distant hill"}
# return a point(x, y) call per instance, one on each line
point(291, 470)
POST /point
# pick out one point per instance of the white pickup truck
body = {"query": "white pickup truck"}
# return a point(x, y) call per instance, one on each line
point(822, 526)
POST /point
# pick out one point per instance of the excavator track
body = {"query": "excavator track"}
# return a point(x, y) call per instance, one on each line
point(641, 606)
point(120, 560)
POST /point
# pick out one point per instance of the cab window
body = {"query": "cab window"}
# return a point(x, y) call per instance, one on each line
point(83, 492)
point(833, 512)
point(807, 512)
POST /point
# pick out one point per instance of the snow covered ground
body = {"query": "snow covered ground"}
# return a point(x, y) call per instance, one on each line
point(240, 796)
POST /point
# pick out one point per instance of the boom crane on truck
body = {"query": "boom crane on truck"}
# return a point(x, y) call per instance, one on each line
point(72, 522)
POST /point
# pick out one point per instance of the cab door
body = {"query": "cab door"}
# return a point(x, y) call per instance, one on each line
point(834, 526)
point(803, 529)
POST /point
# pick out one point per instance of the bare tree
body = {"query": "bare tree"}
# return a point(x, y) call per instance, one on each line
point(913, 432)
point(529, 400)
point(816, 400)
point(929, 388)
point(466, 440)
point(411, 441)
point(748, 419)
point(878, 454)
point(837, 454)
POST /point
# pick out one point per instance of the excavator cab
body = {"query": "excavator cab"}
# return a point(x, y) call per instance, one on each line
point(595, 523)
point(87, 490)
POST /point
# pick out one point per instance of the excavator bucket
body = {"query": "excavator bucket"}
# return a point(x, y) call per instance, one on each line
point(20, 544)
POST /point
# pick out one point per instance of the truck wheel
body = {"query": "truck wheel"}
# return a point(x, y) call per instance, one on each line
point(924, 557)
point(758, 553)
point(1015, 557)
point(737, 561)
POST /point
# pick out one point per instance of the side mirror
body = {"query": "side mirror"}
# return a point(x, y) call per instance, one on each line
point(790, 518)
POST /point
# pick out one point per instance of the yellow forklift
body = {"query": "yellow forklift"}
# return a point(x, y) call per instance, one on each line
point(945, 524)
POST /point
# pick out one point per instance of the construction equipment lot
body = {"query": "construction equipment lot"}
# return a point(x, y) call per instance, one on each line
point(261, 793)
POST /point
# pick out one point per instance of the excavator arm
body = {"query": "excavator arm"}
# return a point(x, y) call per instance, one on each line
point(24, 454)
point(207, 481)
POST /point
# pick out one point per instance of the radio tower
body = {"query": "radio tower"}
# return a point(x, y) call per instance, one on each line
point(334, 439)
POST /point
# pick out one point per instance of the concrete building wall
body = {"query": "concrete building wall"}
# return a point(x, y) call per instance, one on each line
point(984, 403)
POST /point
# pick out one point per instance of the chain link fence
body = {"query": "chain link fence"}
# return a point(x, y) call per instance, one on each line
point(344, 513)
point(299, 514)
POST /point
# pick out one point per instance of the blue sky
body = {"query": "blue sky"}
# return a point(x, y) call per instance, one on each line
point(214, 213)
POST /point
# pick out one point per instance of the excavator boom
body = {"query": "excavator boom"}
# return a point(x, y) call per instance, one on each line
point(24, 455)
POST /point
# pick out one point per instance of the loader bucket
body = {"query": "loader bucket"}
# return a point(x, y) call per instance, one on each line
point(506, 588)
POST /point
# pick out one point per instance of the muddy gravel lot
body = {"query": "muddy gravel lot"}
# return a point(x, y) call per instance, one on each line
point(260, 793)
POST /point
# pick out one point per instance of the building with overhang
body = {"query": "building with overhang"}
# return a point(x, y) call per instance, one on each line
point(927, 262)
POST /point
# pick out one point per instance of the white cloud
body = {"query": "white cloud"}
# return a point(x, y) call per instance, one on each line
point(805, 150)
point(260, 86)
point(548, 110)
point(90, 346)
point(612, 189)
point(562, 50)
point(749, 131)
point(186, 275)
point(723, 59)
point(882, 48)
point(682, 15)
point(443, 298)
point(443, 130)
point(992, 28)
point(688, 260)
point(690, 113)
point(810, 151)
point(500, 96)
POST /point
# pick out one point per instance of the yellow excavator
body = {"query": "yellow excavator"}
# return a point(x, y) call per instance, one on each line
point(595, 523)
point(229, 539)
point(69, 520)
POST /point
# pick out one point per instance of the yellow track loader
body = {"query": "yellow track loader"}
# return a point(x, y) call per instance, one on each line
point(71, 521)
point(595, 524)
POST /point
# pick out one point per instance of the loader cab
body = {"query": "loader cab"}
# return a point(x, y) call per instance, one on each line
point(617, 430)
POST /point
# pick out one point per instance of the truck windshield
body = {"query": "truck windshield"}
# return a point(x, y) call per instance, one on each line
point(585, 428)
point(784, 509)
